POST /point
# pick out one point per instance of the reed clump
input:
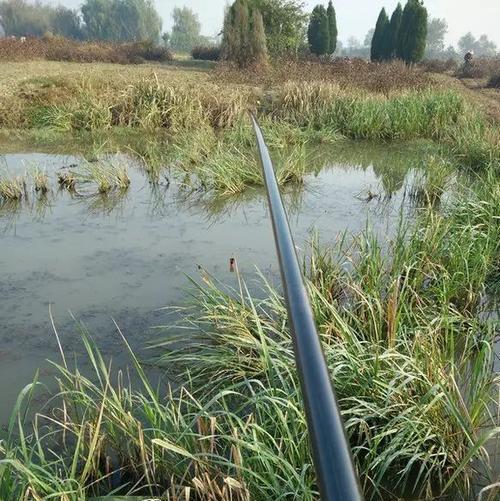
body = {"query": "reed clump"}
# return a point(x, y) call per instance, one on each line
point(40, 180)
point(105, 175)
point(12, 187)
point(66, 180)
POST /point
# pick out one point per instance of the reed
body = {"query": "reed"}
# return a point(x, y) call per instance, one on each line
point(105, 175)
point(12, 187)
point(40, 180)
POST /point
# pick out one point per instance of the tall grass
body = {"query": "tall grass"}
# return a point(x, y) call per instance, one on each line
point(409, 344)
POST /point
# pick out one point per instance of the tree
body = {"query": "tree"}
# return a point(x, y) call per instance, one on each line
point(258, 46)
point(185, 31)
point(21, 18)
point(66, 22)
point(394, 29)
point(482, 47)
point(318, 33)
point(369, 37)
point(121, 20)
point(436, 33)
point(284, 23)
point(332, 27)
point(379, 48)
point(244, 38)
point(413, 32)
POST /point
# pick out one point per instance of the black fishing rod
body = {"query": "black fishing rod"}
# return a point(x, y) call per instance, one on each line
point(332, 457)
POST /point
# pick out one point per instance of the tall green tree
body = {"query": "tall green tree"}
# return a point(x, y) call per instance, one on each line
point(185, 31)
point(285, 23)
point(379, 49)
point(22, 18)
point(318, 33)
point(413, 32)
point(394, 28)
point(257, 39)
point(244, 39)
point(332, 27)
point(121, 20)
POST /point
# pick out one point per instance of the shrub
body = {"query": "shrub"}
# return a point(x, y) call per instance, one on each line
point(494, 81)
point(440, 65)
point(206, 52)
point(63, 49)
point(479, 68)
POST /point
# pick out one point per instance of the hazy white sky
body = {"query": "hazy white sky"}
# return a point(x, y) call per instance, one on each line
point(356, 17)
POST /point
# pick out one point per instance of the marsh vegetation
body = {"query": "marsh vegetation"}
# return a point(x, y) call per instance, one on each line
point(406, 305)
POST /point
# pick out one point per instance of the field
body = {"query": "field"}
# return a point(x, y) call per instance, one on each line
point(409, 324)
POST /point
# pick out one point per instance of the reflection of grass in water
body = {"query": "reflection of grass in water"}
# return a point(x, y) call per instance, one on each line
point(158, 205)
point(40, 206)
point(9, 212)
point(215, 207)
point(431, 183)
point(105, 203)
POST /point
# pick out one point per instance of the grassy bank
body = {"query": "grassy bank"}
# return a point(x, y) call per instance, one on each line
point(409, 342)
point(214, 105)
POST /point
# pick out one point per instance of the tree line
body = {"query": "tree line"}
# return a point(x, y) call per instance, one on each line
point(408, 34)
point(109, 20)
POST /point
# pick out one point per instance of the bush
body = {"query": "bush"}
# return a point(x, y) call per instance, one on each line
point(494, 81)
point(439, 65)
point(206, 52)
point(348, 73)
point(63, 49)
point(479, 68)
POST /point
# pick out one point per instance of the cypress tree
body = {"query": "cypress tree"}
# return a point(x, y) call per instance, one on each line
point(379, 41)
point(413, 32)
point(332, 27)
point(258, 44)
point(394, 28)
point(318, 33)
point(244, 39)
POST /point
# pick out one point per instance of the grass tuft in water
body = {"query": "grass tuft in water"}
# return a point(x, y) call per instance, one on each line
point(12, 187)
point(105, 175)
point(40, 180)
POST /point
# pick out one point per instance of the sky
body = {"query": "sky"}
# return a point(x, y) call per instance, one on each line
point(356, 17)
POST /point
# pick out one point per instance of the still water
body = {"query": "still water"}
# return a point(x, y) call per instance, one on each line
point(96, 258)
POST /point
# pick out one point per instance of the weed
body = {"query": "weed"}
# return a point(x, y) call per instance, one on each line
point(12, 187)
point(40, 180)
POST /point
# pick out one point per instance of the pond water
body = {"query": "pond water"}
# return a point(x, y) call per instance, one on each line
point(125, 255)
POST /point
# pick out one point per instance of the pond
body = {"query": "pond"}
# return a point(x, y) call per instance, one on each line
point(125, 255)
